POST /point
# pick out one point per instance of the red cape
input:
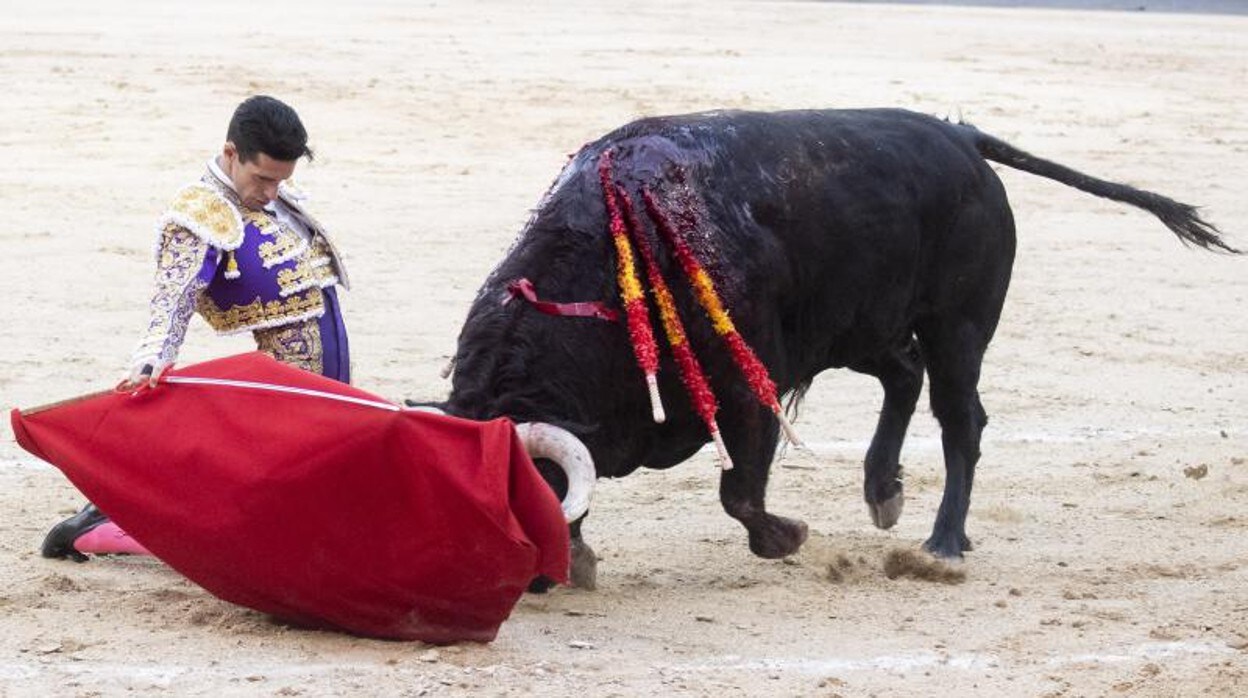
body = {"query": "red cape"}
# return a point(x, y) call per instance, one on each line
point(380, 522)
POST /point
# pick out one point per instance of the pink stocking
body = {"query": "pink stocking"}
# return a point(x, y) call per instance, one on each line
point(108, 538)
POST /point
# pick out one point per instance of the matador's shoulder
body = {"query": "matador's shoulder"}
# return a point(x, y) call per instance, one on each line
point(207, 214)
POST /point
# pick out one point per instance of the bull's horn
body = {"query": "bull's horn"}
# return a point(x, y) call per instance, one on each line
point(543, 440)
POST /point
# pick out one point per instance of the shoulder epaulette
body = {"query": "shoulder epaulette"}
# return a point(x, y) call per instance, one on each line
point(292, 192)
point(206, 214)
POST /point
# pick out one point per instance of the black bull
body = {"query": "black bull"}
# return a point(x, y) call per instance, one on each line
point(878, 240)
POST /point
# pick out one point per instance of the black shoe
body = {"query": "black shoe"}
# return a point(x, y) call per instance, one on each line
point(59, 543)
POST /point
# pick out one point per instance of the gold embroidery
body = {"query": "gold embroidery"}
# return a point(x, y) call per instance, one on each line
point(284, 244)
point(258, 313)
point(207, 214)
point(181, 255)
point(283, 248)
point(320, 248)
point(324, 263)
point(297, 278)
point(263, 222)
point(325, 276)
point(297, 344)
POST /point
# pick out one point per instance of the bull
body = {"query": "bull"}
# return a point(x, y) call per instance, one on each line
point(879, 240)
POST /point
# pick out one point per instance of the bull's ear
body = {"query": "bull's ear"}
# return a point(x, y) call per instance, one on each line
point(556, 444)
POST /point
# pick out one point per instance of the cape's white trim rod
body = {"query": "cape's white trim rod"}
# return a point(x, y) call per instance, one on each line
point(225, 382)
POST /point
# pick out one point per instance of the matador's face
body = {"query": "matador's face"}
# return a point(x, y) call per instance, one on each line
point(255, 180)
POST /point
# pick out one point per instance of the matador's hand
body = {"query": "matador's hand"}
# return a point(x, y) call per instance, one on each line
point(148, 372)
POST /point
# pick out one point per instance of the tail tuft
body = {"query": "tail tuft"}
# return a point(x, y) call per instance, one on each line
point(1182, 219)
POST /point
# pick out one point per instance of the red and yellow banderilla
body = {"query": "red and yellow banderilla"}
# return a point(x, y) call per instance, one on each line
point(704, 290)
point(624, 225)
point(691, 374)
point(635, 309)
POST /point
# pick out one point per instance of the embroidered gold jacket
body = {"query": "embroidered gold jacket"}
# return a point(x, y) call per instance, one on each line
point(243, 270)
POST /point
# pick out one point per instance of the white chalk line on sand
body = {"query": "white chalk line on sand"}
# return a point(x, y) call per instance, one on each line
point(166, 674)
point(966, 661)
point(926, 443)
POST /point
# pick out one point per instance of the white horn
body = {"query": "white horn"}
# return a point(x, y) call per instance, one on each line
point(543, 440)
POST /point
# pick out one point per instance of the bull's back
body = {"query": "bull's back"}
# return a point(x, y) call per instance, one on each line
point(837, 218)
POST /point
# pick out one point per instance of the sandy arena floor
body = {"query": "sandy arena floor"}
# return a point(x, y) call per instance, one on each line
point(1103, 565)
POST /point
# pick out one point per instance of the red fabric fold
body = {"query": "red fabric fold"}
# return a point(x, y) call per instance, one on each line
point(383, 523)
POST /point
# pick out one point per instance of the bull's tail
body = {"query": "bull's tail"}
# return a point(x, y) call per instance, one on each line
point(1179, 217)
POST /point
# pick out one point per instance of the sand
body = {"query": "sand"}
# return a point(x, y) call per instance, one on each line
point(1100, 567)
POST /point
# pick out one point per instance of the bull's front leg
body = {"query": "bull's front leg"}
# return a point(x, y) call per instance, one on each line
point(750, 433)
point(584, 572)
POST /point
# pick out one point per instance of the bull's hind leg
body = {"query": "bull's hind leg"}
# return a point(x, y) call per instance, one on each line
point(954, 356)
point(751, 433)
point(900, 372)
point(965, 300)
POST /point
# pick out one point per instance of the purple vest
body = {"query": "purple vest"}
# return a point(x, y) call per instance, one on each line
point(274, 277)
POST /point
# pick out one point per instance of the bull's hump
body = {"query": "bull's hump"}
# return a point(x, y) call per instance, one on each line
point(645, 149)
point(648, 158)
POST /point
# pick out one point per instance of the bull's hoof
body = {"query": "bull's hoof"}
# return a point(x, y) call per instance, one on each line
point(885, 514)
point(584, 572)
point(776, 536)
point(948, 547)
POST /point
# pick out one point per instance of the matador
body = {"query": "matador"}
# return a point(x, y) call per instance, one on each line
point(239, 247)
